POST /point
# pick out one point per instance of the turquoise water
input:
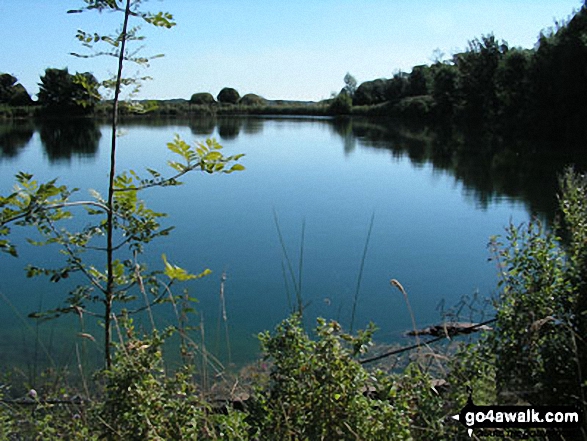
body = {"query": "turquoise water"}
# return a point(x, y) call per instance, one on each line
point(434, 212)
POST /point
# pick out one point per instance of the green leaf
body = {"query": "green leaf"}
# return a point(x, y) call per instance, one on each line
point(237, 167)
point(176, 273)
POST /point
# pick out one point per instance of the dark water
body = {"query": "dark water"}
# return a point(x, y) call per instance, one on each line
point(436, 198)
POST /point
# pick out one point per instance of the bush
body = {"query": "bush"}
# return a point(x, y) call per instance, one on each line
point(203, 98)
point(251, 99)
point(415, 107)
point(541, 311)
point(228, 95)
point(370, 92)
point(341, 105)
point(317, 389)
point(142, 402)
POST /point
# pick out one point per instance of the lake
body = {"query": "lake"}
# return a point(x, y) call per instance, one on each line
point(435, 200)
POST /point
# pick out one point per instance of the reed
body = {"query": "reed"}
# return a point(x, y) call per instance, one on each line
point(296, 283)
point(360, 275)
point(395, 283)
point(223, 316)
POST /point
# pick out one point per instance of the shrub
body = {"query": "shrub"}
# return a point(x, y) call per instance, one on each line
point(317, 389)
point(541, 309)
point(142, 402)
point(228, 95)
point(251, 99)
point(341, 105)
point(415, 107)
point(202, 98)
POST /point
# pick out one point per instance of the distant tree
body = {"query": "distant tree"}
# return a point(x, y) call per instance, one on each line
point(62, 92)
point(228, 95)
point(445, 89)
point(370, 92)
point(202, 98)
point(20, 96)
point(13, 93)
point(558, 78)
point(477, 67)
point(251, 99)
point(420, 81)
point(512, 86)
point(396, 88)
point(7, 82)
point(350, 85)
point(341, 105)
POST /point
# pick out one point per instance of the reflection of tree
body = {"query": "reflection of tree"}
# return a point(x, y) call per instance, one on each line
point(14, 135)
point(489, 168)
point(229, 127)
point(344, 128)
point(203, 125)
point(63, 139)
point(253, 126)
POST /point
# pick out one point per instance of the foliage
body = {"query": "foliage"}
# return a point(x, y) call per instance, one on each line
point(477, 67)
point(396, 88)
point(370, 92)
point(420, 81)
point(350, 85)
point(541, 309)
point(317, 389)
point(141, 402)
point(62, 92)
point(251, 99)
point(416, 107)
point(123, 219)
point(13, 93)
point(538, 92)
point(446, 90)
point(202, 98)
point(341, 105)
point(228, 95)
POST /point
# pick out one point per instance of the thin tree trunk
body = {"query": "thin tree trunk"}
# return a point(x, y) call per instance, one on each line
point(110, 215)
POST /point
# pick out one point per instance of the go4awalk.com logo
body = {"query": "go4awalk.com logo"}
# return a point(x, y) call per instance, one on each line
point(518, 417)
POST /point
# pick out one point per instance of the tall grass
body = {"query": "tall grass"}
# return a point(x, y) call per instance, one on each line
point(360, 275)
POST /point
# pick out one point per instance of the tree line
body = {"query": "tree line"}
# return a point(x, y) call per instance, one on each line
point(542, 88)
point(515, 90)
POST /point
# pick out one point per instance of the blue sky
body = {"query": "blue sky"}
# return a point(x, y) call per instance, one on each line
point(280, 49)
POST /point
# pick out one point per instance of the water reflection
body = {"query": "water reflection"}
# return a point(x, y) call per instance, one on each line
point(63, 139)
point(227, 127)
point(489, 167)
point(14, 136)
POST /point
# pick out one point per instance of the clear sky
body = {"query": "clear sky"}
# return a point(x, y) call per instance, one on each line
point(280, 49)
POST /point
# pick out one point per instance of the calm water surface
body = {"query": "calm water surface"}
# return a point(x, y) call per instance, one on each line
point(434, 206)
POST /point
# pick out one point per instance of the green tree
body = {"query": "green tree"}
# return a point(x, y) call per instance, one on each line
point(251, 99)
point(228, 95)
point(477, 67)
point(350, 85)
point(13, 93)
point(370, 92)
point(121, 218)
point(558, 80)
point(446, 90)
point(513, 88)
point(341, 105)
point(420, 81)
point(59, 91)
point(396, 88)
point(202, 98)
